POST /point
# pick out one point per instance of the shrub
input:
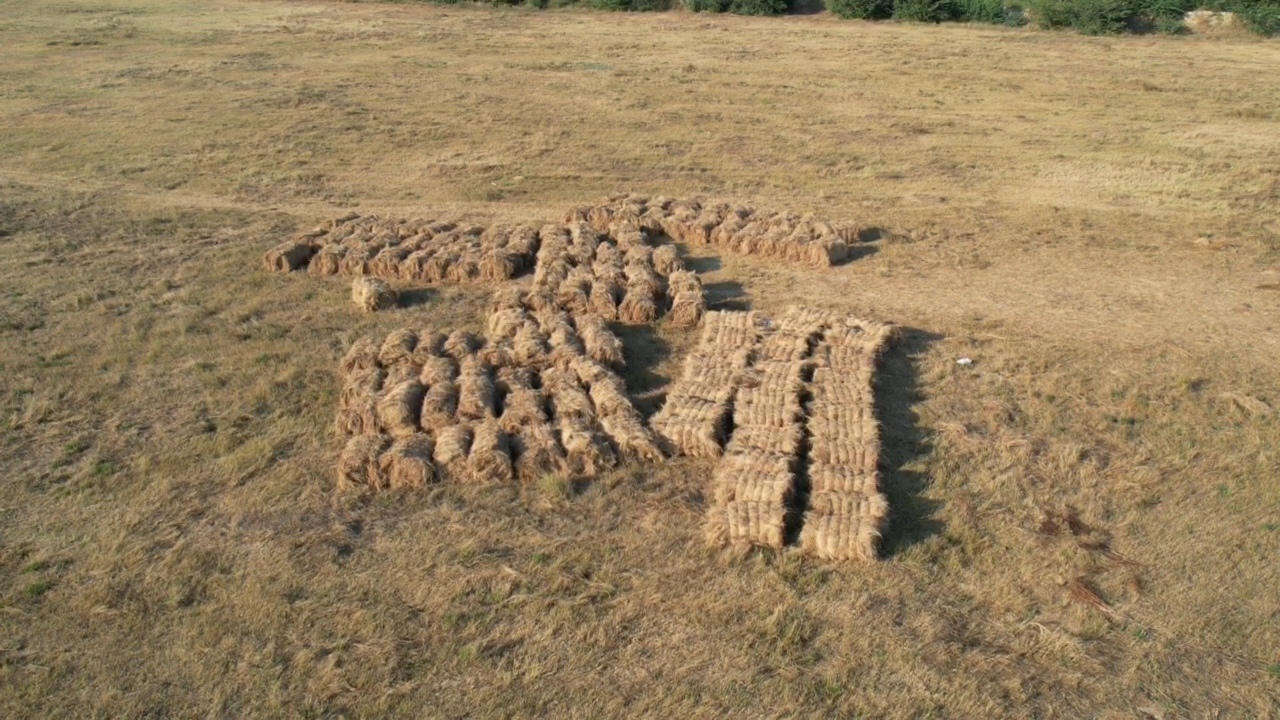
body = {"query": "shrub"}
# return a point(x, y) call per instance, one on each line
point(861, 9)
point(1261, 17)
point(985, 11)
point(715, 6)
point(757, 7)
point(933, 11)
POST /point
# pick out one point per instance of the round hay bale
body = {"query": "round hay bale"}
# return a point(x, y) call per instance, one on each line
point(601, 344)
point(398, 346)
point(362, 355)
point(439, 405)
point(490, 458)
point(408, 462)
point(537, 452)
point(453, 445)
point(666, 260)
point(437, 370)
point(475, 391)
point(289, 255)
point(587, 452)
point(460, 345)
point(400, 407)
point(327, 260)
point(370, 294)
point(358, 463)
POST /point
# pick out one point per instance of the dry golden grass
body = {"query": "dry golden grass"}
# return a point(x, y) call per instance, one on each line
point(1084, 523)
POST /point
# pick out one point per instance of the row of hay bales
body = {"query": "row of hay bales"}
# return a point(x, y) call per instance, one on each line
point(772, 400)
point(408, 250)
point(739, 228)
point(694, 420)
point(534, 396)
point(845, 511)
point(615, 274)
point(754, 485)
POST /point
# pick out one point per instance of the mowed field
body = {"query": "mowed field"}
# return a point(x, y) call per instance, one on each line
point(1085, 522)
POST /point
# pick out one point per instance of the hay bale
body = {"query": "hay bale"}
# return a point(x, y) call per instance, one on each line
point(692, 426)
point(355, 262)
point(439, 405)
point(289, 255)
point(687, 309)
point(587, 452)
point(498, 264)
point(523, 405)
point(386, 264)
point(839, 526)
point(630, 436)
point(565, 394)
point(327, 260)
point(408, 462)
point(362, 355)
point(666, 260)
point(496, 355)
point(540, 299)
point(490, 458)
point(370, 294)
point(529, 347)
point(507, 298)
point(573, 294)
point(400, 407)
point(437, 370)
point(637, 307)
point(453, 447)
point(523, 241)
point(460, 345)
point(600, 344)
point(537, 453)
point(475, 391)
point(358, 463)
point(603, 300)
point(397, 347)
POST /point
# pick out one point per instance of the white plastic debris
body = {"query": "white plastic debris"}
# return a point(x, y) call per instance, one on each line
point(965, 361)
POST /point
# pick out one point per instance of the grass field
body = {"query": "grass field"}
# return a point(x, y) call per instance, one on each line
point(1094, 221)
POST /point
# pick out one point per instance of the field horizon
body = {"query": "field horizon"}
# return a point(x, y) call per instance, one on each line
point(1083, 522)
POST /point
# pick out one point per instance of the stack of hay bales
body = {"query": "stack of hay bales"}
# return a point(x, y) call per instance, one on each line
point(534, 396)
point(753, 487)
point(412, 250)
point(694, 419)
point(742, 229)
point(846, 510)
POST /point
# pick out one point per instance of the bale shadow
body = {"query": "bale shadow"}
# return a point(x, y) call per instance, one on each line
point(413, 297)
point(726, 295)
point(911, 516)
point(700, 265)
point(644, 350)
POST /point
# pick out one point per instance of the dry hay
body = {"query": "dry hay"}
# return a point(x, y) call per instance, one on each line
point(587, 452)
point(666, 260)
point(537, 452)
point(398, 346)
point(600, 344)
point(453, 446)
point(290, 255)
point(371, 295)
point(490, 458)
point(358, 463)
point(475, 391)
point(399, 408)
point(408, 250)
point(751, 493)
point(408, 463)
point(786, 236)
point(531, 399)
